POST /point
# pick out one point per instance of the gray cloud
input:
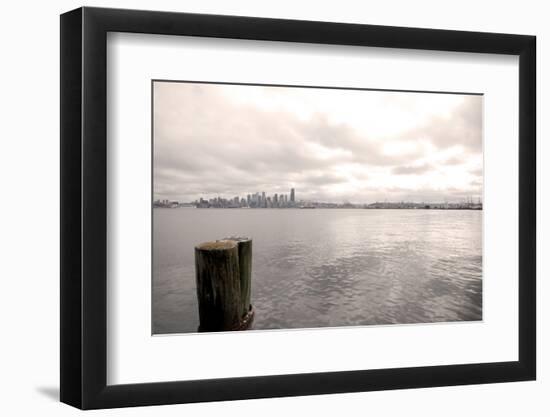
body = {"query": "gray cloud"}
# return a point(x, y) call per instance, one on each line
point(455, 160)
point(408, 170)
point(463, 127)
point(477, 172)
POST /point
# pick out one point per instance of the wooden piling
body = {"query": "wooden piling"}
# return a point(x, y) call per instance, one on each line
point(245, 270)
point(223, 276)
point(218, 285)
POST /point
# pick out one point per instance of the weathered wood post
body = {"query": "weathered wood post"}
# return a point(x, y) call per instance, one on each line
point(218, 285)
point(223, 284)
point(245, 270)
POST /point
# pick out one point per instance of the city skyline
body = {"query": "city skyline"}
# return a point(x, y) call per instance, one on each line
point(333, 145)
point(264, 200)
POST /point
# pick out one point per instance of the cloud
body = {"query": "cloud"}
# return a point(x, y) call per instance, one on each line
point(462, 126)
point(408, 170)
point(323, 179)
point(477, 172)
point(455, 160)
point(224, 140)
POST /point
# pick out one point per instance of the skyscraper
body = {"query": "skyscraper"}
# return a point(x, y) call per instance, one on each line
point(292, 196)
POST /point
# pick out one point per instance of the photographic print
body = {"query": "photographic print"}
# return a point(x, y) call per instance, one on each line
point(289, 207)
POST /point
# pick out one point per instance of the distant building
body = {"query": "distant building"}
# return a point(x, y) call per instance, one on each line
point(292, 196)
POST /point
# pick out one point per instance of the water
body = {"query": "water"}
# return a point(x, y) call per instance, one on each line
point(318, 268)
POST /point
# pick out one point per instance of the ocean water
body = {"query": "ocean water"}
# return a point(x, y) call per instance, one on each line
point(327, 267)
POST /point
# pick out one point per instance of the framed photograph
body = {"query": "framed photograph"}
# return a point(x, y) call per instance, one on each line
point(258, 207)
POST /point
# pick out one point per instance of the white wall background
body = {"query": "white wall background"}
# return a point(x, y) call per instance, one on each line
point(29, 228)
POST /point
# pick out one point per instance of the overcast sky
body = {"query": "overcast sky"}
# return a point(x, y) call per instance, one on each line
point(331, 145)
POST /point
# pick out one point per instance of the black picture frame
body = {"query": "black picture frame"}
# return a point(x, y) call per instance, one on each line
point(84, 207)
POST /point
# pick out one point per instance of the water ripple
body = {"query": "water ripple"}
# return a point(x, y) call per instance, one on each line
point(317, 268)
